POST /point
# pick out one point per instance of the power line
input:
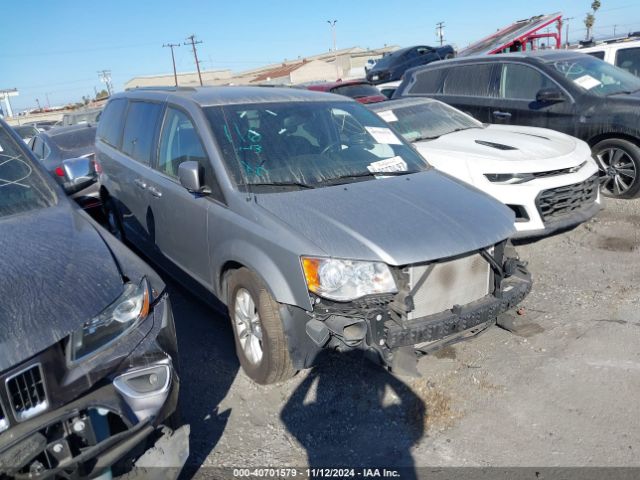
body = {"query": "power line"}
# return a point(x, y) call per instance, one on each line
point(193, 43)
point(173, 60)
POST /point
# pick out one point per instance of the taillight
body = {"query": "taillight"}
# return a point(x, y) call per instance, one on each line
point(59, 171)
point(97, 167)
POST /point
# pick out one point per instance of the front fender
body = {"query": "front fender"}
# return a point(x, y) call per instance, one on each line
point(280, 271)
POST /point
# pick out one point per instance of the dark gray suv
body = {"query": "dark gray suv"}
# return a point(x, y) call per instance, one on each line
point(309, 218)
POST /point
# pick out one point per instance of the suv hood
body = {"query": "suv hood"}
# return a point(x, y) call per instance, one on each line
point(397, 220)
point(56, 273)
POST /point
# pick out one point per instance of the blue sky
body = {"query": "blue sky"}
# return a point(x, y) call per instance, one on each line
point(55, 48)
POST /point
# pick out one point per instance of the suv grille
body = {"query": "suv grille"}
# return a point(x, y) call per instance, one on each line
point(27, 393)
point(559, 202)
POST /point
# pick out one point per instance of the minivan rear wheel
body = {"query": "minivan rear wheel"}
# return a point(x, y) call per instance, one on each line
point(619, 163)
point(260, 341)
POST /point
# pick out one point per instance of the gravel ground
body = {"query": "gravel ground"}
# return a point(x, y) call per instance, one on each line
point(562, 393)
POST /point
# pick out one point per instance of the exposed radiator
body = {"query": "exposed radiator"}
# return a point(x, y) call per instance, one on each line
point(454, 282)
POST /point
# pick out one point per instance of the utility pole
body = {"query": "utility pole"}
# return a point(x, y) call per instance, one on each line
point(193, 42)
point(105, 77)
point(332, 24)
point(38, 102)
point(48, 103)
point(173, 60)
point(440, 32)
point(614, 30)
point(566, 35)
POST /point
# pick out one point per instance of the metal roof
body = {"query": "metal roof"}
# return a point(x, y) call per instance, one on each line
point(233, 95)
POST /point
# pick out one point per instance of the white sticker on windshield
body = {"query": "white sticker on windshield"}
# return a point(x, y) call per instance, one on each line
point(588, 82)
point(383, 135)
point(388, 116)
point(393, 164)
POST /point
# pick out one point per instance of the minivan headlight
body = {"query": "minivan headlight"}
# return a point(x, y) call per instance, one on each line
point(116, 320)
point(344, 280)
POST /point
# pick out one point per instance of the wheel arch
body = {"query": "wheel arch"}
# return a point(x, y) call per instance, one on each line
point(275, 279)
point(613, 135)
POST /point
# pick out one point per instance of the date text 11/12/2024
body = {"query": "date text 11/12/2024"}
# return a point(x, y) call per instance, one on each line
point(315, 473)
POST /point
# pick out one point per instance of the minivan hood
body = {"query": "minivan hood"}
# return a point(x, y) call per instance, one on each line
point(56, 273)
point(397, 220)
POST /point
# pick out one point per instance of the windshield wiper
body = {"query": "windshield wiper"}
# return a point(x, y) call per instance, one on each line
point(368, 174)
point(279, 184)
point(420, 139)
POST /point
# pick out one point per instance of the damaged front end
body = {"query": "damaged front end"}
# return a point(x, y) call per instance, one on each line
point(436, 304)
point(99, 416)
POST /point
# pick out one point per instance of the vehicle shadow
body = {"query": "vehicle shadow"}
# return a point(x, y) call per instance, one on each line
point(208, 367)
point(384, 420)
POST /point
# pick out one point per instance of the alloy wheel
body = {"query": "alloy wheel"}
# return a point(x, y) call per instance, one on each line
point(618, 171)
point(248, 327)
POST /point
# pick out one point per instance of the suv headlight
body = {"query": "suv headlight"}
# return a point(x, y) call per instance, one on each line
point(509, 178)
point(116, 320)
point(344, 280)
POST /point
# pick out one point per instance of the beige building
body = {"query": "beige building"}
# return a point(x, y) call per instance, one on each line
point(328, 66)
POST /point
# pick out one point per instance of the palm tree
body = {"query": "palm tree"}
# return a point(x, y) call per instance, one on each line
point(590, 19)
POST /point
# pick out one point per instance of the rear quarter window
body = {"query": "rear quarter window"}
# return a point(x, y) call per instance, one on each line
point(110, 125)
point(599, 54)
point(468, 80)
point(427, 81)
point(140, 130)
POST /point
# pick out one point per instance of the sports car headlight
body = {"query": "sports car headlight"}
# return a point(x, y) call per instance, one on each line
point(116, 320)
point(344, 280)
point(509, 178)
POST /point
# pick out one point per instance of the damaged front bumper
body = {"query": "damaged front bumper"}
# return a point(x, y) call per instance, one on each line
point(100, 416)
point(384, 328)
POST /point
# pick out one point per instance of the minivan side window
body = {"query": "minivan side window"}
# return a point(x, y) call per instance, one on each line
point(110, 125)
point(179, 142)
point(629, 60)
point(521, 82)
point(468, 80)
point(38, 147)
point(139, 130)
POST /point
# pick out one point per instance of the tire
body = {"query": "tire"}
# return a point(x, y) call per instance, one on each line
point(274, 364)
point(113, 219)
point(619, 163)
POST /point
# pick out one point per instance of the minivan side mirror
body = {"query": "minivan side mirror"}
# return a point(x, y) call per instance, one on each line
point(550, 95)
point(79, 173)
point(189, 176)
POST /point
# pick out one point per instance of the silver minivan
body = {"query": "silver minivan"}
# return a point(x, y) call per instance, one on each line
point(309, 218)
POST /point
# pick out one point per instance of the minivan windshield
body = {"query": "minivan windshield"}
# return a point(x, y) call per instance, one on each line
point(308, 144)
point(425, 120)
point(22, 188)
point(597, 76)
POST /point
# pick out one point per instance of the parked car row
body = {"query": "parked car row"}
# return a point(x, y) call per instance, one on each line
point(320, 223)
point(566, 91)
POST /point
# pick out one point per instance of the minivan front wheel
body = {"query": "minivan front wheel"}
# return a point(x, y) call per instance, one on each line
point(260, 341)
point(619, 163)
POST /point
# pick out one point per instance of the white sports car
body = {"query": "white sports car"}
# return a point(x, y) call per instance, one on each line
point(547, 178)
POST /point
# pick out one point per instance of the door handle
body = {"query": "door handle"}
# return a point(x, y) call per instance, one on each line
point(141, 184)
point(499, 114)
point(154, 191)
